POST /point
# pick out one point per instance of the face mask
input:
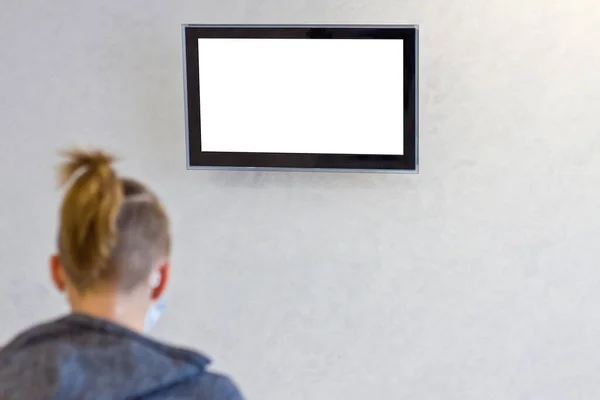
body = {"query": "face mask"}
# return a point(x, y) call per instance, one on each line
point(154, 313)
point(156, 309)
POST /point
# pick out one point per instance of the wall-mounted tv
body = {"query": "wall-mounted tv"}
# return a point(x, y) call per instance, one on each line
point(315, 97)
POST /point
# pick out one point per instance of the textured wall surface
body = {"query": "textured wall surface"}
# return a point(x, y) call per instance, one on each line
point(476, 279)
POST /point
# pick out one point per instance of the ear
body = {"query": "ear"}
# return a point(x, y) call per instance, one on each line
point(57, 272)
point(161, 283)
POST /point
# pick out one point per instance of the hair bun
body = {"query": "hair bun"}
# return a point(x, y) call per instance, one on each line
point(89, 213)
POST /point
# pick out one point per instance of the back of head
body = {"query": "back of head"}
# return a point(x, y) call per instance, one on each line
point(113, 230)
point(113, 234)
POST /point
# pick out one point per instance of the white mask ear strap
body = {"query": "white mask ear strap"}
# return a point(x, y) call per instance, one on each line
point(155, 279)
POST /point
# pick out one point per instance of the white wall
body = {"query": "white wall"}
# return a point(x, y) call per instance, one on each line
point(476, 279)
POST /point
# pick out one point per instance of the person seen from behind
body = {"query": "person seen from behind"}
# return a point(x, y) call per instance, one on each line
point(113, 267)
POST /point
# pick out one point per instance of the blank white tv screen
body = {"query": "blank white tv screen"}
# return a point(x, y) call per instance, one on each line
point(306, 96)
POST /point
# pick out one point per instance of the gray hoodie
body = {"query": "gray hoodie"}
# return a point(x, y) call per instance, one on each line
point(83, 358)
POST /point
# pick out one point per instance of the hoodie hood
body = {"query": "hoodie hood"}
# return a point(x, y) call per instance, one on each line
point(81, 357)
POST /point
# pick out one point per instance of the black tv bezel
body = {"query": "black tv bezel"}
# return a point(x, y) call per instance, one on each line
point(198, 159)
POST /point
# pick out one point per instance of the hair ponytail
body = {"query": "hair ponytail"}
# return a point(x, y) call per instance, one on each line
point(88, 216)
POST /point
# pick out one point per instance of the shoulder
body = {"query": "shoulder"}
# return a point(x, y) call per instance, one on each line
point(213, 386)
point(25, 340)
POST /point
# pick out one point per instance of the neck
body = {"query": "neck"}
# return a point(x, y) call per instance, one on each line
point(121, 310)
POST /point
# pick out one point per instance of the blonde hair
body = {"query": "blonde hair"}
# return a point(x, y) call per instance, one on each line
point(112, 230)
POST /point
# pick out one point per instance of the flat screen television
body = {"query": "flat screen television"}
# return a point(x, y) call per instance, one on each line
point(315, 97)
